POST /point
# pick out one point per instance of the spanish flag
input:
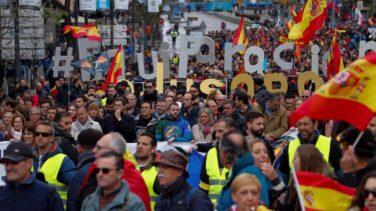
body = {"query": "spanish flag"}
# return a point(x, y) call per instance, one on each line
point(292, 11)
point(289, 24)
point(115, 69)
point(240, 36)
point(321, 193)
point(297, 52)
point(313, 17)
point(283, 39)
point(349, 96)
point(89, 31)
point(335, 62)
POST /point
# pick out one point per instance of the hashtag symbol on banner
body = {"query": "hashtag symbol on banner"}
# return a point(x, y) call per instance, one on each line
point(62, 63)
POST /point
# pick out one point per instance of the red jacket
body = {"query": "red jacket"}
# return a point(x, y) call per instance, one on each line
point(133, 177)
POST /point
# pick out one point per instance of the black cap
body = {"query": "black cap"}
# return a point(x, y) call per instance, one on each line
point(17, 151)
point(366, 146)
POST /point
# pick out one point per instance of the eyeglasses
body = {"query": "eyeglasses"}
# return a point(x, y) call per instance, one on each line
point(42, 133)
point(104, 170)
point(367, 192)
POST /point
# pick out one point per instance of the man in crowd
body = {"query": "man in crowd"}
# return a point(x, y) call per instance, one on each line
point(120, 121)
point(145, 121)
point(173, 128)
point(213, 106)
point(356, 162)
point(80, 101)
point(57, 168)
point(176, 193)
point(276, 123)
point(146, 156)
point(34, 115)
point(110, 93)
point(112, 192)
point(44, 105)
point(160, 108)
point(233, 153)
point(63, 137)
point(51, 113)
point(309, 135)
point(151, 93)
point(115, 142)
point(255, 129)
point(190, 112)
point(131, 105)
point(260, 91)
point(306, 94)
point(241, 100)
point(22, 184)
point(289, 103)
point(229, 110)
point(87, 140)
point(213, 174)
point(83, 122)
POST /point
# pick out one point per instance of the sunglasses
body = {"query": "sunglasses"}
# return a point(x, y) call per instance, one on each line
point(367, 192)
point(104, 170)
point(42, 133)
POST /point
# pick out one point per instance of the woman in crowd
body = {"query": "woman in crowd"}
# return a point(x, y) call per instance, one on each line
point(15, 132)
point(309, 159)
point(259, 152)
point(72, 111)
point(28, 134)
point(94, 113)
point(245, 191)
point(202, 132)
point(365, 198)
point(7, 121)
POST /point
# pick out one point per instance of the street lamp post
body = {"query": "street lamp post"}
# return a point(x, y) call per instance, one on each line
point(17, 56)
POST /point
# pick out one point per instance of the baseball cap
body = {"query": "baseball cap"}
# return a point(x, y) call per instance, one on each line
point(17, 151)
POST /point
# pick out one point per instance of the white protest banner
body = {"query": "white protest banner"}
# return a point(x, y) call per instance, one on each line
point(3, 146)
point(162, 146)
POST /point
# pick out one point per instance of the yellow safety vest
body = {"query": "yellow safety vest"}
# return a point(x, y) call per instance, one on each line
point(322, 144)
point(175, 60)
point(50, 169)
point(149, 176)
point(217, 179)
point(104, 102)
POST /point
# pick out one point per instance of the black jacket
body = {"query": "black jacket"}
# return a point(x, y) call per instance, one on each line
point(126, 126)
point(66, 143)
point(178, 197)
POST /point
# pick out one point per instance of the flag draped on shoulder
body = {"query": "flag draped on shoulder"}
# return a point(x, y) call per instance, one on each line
point(321, 193)
point(89, 31)
point(335, 62)
point(115, 69)
point(309, 20)
point(351, 90)
point(240, 36)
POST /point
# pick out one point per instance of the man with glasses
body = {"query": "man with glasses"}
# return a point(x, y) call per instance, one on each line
point(150, 93)
point(22, 184)
point(306, 94)
point(57, 168)
point(112, 192)
point(116, 143)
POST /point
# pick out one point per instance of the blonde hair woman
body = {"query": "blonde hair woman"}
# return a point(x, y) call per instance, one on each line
point(246, 190)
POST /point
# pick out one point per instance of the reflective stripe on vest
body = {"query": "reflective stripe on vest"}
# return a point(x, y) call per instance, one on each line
point(50, 169)
point(149, 176)
point(322, 144)
point(217, 179)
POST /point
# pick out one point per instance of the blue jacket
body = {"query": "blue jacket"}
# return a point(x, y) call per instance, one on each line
point(75, 199)
point(67, 169)
point(179, 196)
point(133, 202)
point(167, 128)
point(244, 164)
point(31, 195)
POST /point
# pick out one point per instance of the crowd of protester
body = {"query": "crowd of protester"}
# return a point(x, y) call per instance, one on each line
point(68, 142)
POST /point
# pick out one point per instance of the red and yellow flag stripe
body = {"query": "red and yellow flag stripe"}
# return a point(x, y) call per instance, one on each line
point(89, 31)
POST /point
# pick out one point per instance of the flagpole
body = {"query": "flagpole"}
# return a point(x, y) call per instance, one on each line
point(358, 139)
point(297, 186)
